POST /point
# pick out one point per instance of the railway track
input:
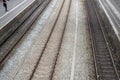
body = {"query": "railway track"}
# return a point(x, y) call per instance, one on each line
point(105, 67)
point(7, 46)
point(52, 47)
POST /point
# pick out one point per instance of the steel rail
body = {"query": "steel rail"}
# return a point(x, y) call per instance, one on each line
point(110, 52)
point(106, 41)
point(37, 63)
point(93, 43)
point(65, 25)
point(2, 61)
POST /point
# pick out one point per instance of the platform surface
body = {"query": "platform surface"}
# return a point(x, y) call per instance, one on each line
point(11, 5)
point(14, 7)
point(112, 10)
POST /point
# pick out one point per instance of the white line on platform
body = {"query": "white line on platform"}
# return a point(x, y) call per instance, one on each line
point(13, 8)
point(75, 42)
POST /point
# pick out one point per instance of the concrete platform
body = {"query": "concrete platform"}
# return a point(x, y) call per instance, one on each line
point(10, 21)
point(12, 4)
point(13, 11)
point(112, 10)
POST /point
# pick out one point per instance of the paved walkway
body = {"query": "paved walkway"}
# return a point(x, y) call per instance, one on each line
point(11, 5)
point(14, 10)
